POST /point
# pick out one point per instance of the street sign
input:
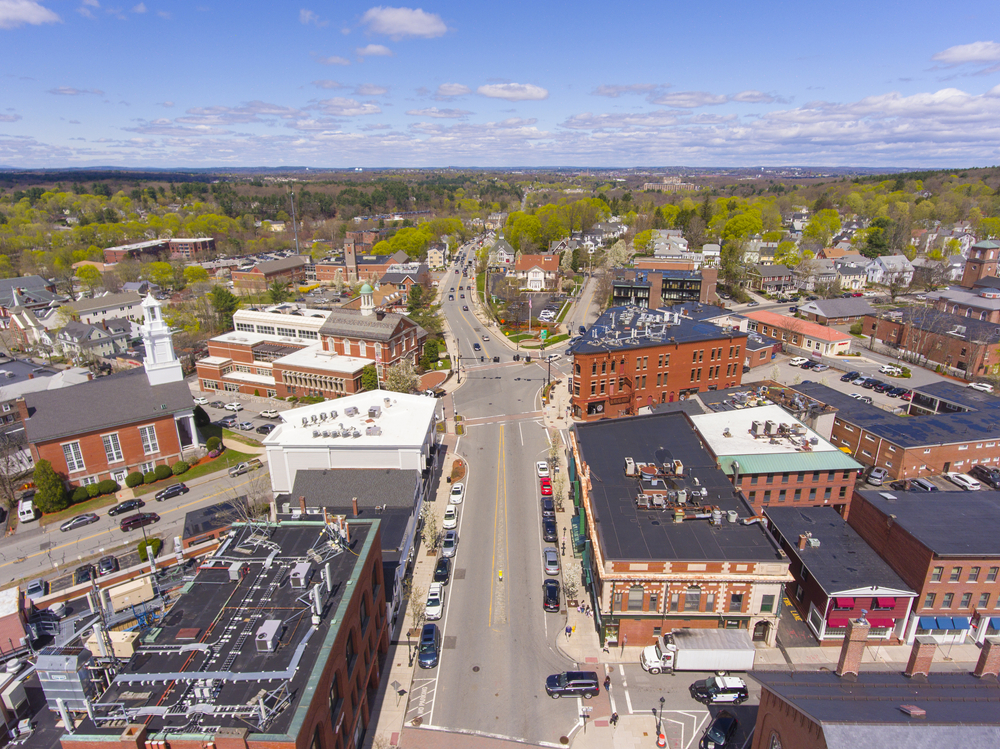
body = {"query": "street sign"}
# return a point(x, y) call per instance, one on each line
point(545, 333)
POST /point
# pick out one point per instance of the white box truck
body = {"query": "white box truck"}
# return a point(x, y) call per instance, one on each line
point(700, 650)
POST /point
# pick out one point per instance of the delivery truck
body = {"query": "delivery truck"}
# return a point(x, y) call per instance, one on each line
point(700, 650)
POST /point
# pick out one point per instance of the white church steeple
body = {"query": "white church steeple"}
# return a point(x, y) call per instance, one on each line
point(160, 361)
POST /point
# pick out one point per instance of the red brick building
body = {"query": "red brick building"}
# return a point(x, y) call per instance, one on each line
point(261, 276)
point(631, 358)
point(358, 267)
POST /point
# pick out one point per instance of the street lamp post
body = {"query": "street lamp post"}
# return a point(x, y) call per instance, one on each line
point(659, 720)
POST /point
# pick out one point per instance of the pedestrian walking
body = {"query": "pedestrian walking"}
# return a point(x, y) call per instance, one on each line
point(569, 631)
point(614, 719)
point(607, 683)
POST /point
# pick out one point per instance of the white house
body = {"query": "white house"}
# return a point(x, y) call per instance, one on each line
point(890, 269)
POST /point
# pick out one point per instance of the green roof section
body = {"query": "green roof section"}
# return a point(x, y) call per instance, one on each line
point(825, 460)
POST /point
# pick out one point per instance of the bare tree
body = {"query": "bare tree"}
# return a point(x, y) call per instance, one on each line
point(896, 284)
point(15, 466)
point(430, 533)
point(401, 377)
point(416, 605)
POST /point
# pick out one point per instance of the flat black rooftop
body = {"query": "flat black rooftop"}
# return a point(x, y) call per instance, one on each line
point(962, 710)
point(628, 327)
point(210, 633)
point(842, 561)
point(916, 431)
point(949, 523)
point(628, 532)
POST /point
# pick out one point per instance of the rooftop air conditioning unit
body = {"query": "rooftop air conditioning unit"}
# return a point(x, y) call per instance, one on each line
point(326, 433)
point(305, 421)
point(333, 415)
point(268, 635)
point(374, 431)
point(629, 467)
point(756, 428)
point(300, 575)
point(726, 432)
point(351, 411)
point(374, 412)
point(682, 496)
point(315, 433)
point(322, 416)
point(769, 427)
point(813, 542)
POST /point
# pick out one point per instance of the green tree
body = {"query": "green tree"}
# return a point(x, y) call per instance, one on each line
point(821, 228)
point(431, 353)
point(89, 276)
point(225, 304)
point(50, 491)
point(369, 378)
point(278, 292)
point(416, 298)
point(643, 242)
point(195, 274)
point(162, 274)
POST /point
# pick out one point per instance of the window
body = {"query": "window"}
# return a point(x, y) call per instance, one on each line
point(74, 458)
point(112, 448)
point(798, 495)
point(812, 495)
point(767, 604)
point(947, 600)
point(984, 600)
point(767, 496)
point(956, 573)
point(784, 478)
point(736, 602)
point(827, 493)
point(604, 367)
point(149, 443)
point(636, 594)
point(991, 576)
point(692, 599)
point(936, 574)
point(88, 480)
point(966, 600)
point(973, 574)
point(336, 700)
point(781, 495)
point(929, 600)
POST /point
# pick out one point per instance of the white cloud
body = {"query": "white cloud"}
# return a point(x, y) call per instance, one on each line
point(976, 52)
point(399, 23)
point(307, 16)
point(374, 50)
point(9, 117)
point(168, 127)
point(14, 13)
point(614, 92)
point(251, 112)
point(513, 91)
point(140, 8)
point(370, 89)
point(448, 90)
point(328, 84)
point(342, 107)
point(754, 97)
point(167, 104)
point(689, 99)
point(165, 15)
point(445, 114)
point(333, 60)
point(69, 91)
point(588, 121)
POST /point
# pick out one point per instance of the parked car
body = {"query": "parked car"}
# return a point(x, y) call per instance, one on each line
point(550, 560)
point(545, 486)
point(107, 565)
point(234, 406)
point(870, 383)
point(542, 468)
point(228, 422)
point(549, 531)
point(908, 395)
point(797, 361)
point(548, 508)
point(809, 364)
point(265, 429)
point(913, 485)
point(573, 684)
point(84, 574)
point(449, 544)
point(963, 480)
point(174, 490)
point(896, 392)
point(217, 404)
point(550, 595)
point(983, 387)
point(442, 571)
point(987, 475)
point(37, 588)
point(245, 426)
point(434, 607)
point(882, 387)
point(450, 518)
point(240, 468)
point(720, 732)
point(716, 689)
point(457, 493)
point(200, 400)
point(429, 649)
point(79, 521)
point(890, 369)
point(127, 506)
point(138, 520)
point(269, 413)
point(820, 367)
point(876, 476)
point(850, 376)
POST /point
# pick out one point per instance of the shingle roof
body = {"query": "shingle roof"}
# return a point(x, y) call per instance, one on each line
point(103, 403)
point(849, 307)
point(348, 322)
point(108, 301)
point(548, 263)
point(803, 327)
point(276, 266)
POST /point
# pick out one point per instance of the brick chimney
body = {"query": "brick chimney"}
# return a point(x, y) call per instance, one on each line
point(354, 506)
point(989, 659)
point(22, 409)
point(921, 656)
point(302, 504)
point(803, 539)
point(853, 647)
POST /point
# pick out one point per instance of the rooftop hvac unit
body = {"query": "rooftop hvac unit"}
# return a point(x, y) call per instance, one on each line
point(237, 570)
point(268, 635)
point(726, 432)
point(682, 496)
point(732, 516)
point(322, 416)
point(315, 433)
point(351, 411)
point(716, 517)
point(756, 428)
point(769, 427)
point(374, 431)
point(345, 432)
point(814, 441)
point(305, 421)
point(333, 415)
point(678, 468)
point(355, 433)
point(783, 428)
point(300, 575)
point(629, 467)
point(813, 542)
point(326, 433)
point(314, 418)
point(374, 412)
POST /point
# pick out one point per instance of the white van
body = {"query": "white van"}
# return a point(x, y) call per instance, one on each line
point(26, 511)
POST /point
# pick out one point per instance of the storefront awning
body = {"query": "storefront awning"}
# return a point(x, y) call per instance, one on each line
point(844, 603)
point(961, 622)
point(928, 622)
point(945, 622)
point(886, 603)
point(839, 623)
point(879, 622)
point(995, 622)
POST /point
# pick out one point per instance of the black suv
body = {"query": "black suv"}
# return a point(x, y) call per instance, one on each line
point(720, 732)
point(174, 490)
point(442, 571)
point(84, 574)
point(430, 646)
point(989, 476)
point(550, 595)
point(572, 684)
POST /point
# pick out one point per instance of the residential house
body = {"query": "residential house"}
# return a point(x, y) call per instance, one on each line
point(437, 255)
point(647, 573)
point(93, 311)
point(938, 544)
point(502, 253)
point(853, 276)
point(22, 376)
point(112, 336)
point(888, 270)
point(759, 251)
point(815, 274)
point(27, 331)
point(262, 275)
point(657, 288)
point(771, 279)
point(115, 425)
point(537, 272)
point(404, 277)
point(818, 340)
point(27, 292)
point(837, 311)
point(929, 273)
point(838, 576)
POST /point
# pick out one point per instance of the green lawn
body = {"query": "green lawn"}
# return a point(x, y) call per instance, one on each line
point(92, 505)
point(229, 458)
point(227, 435)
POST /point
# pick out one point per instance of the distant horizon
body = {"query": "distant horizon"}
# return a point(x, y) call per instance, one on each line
point(155, 85)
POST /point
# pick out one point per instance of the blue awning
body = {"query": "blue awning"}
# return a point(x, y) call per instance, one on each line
point(928, 622)
point(995, 622)
point(945, 622)
point(961, 622)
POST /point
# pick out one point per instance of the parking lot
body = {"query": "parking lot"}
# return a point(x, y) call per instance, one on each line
point(247, 419)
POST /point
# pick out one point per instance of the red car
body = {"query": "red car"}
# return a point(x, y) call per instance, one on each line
point(546, 486)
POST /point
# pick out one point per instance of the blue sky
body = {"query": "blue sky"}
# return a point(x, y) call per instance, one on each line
point(213, 83)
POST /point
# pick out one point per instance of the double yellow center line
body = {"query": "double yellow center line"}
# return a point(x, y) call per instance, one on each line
point(500, 576)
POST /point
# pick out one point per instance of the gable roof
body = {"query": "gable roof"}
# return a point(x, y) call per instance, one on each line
point(108, 301)
point(349, 322)
point(103, 403)
point(803, 327)
point(276, 266)
point(842, 307)
point(773, 271)
point(548, 263)
point(895, 263)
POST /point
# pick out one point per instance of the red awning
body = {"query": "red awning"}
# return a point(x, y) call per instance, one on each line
point(845, 603)
point(877, 622)
point(837, 623)
point(886, 603)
